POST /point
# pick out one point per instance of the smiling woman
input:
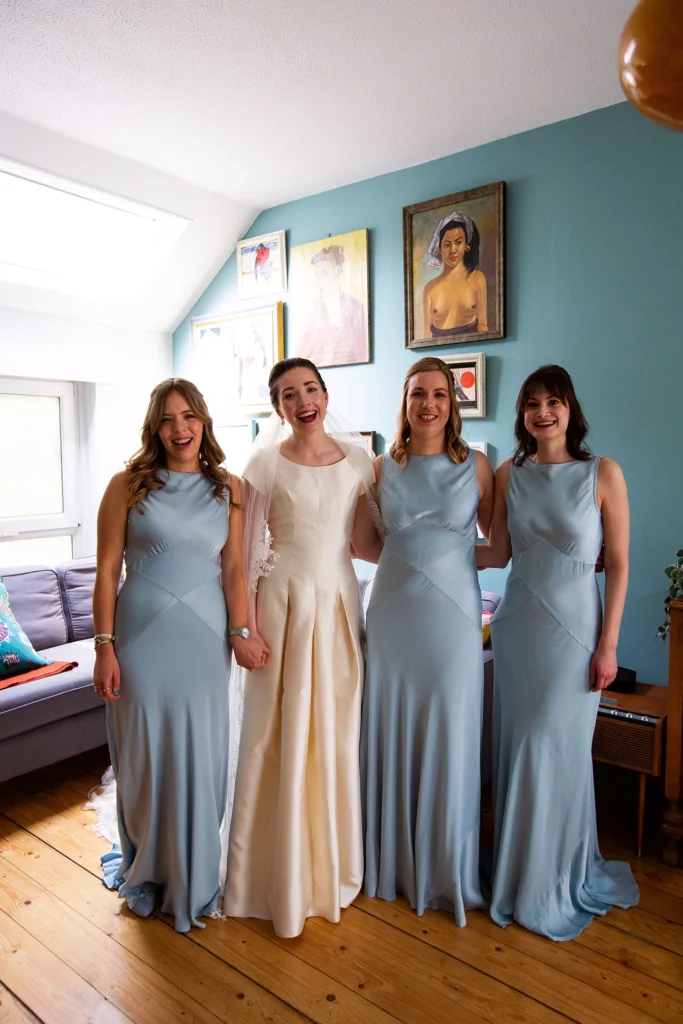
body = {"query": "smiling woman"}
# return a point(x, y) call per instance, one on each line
point(420, 746)
point(163, 659)
point(555, 502)
point(295, 840)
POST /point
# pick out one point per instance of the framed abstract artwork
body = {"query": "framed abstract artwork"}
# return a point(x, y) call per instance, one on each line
point(232, 356)
point(329, 300)
point(262, 266)
point(454, 268)
point(469, 376)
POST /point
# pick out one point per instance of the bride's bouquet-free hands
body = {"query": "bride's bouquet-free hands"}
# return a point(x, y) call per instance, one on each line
point(251, 653)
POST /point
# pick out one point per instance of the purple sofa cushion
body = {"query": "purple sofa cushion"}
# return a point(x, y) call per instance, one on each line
point(77, 581)
point(31, 705)
point(489, 601)
point(37, 604)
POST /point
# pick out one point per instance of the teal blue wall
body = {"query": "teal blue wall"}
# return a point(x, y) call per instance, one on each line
point(594, 282)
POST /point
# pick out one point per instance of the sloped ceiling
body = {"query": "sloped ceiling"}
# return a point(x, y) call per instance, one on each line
point(260, 103)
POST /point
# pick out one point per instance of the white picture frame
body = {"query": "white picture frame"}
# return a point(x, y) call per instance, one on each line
point(469, 375)
point(260, 277)
point(479, 446)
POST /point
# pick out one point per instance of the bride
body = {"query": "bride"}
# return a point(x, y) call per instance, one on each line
point(295, 844)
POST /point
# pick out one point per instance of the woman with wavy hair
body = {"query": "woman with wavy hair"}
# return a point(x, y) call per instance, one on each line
point(554, 653)
point(422, 706)
point(163, 654)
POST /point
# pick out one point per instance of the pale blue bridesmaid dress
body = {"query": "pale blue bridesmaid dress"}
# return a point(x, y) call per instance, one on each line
point(422, 706)
point(168, 731)
point(548, 872)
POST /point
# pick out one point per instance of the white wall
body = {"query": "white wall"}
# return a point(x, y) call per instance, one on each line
point(115, 369)
point(116, 352)
point(59, 348)
point(215, 224)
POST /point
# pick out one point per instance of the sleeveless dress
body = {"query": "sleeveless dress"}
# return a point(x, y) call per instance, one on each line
point(168, 732)
point(548, 872)
point(295, 848)
point(422, 707)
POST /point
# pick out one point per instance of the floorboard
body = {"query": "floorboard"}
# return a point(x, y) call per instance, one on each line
point(71, 952)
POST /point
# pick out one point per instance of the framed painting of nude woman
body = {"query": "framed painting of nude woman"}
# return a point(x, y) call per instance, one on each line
point(454, 268)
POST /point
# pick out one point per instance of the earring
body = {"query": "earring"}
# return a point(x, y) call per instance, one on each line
point(467, 248)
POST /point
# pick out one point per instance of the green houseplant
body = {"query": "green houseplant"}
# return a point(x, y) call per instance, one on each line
point(675, 574)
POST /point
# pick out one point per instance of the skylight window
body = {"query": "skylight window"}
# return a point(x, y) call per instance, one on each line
point(64, 236)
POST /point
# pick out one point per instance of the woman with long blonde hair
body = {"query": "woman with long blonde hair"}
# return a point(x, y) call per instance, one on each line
point(163, 654)
point(422, 706)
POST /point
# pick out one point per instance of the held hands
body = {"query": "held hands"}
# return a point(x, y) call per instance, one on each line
point(107, 675)
point(603, 668)
point(251, 653)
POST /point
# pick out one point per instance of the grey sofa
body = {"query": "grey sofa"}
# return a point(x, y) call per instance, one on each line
point(50, 719)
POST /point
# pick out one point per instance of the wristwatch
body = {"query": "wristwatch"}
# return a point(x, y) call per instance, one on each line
point(242, 631)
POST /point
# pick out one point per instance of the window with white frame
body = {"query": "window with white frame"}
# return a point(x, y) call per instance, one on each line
point(39, 512)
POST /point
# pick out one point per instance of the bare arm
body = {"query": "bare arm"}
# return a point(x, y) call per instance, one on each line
point(485, 482)
point(496, 554)
point(365, 541)
point(112, 519)
point(482, 303)
point(250, 653)
point(612, 499)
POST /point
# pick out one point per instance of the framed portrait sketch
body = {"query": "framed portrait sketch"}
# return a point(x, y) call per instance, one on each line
point(262, 266)
point(454, 268)
point(469, 376)
point(232, 356)
point(329, 300)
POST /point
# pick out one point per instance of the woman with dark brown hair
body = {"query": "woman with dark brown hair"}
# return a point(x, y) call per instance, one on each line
point(553, 653)
point(163, 654)
point(422, 705)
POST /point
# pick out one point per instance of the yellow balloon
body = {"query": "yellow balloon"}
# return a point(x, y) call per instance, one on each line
point(651, 61)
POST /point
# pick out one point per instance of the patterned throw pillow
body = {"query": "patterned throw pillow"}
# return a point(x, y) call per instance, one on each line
point(16, 650)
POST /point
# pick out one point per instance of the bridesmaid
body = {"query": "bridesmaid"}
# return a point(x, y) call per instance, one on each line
point(422, 707)
point(295, 848)
point(165, 672)
point(553, 656)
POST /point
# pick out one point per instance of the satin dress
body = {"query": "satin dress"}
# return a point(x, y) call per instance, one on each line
point(548, 872)
point(423, 701)
point(295, 846)
point(168, 731)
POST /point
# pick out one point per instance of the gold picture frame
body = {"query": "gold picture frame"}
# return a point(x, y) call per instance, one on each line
point(454, 268)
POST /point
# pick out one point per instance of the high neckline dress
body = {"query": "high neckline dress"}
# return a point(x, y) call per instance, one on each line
point(548, 872)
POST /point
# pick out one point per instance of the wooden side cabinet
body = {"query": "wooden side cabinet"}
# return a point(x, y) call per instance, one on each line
point(629, 732)
point(672, 820)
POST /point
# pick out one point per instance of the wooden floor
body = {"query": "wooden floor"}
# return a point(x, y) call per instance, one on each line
point(70, 951)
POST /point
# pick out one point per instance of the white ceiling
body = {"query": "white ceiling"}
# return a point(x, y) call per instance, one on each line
point(257, 103)
point(270, 100)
